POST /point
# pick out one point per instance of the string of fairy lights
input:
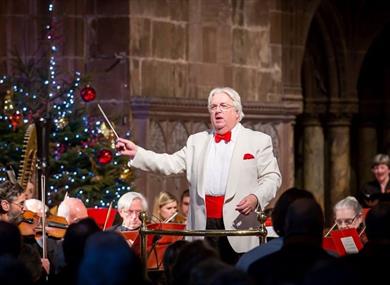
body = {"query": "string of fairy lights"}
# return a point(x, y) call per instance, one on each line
point(62, 103)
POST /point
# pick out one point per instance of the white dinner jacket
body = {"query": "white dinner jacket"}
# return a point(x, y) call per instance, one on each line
point(259, 176)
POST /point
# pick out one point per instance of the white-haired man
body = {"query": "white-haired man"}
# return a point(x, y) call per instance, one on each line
point(130, 205)
point(72, 209)
point(231, 171)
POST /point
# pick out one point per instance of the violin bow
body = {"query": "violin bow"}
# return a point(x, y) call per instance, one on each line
point(107, 216)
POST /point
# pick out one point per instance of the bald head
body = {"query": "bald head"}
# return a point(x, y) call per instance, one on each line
point(72, 209)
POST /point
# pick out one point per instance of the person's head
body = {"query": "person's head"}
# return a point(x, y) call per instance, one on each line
point(11, 201)
point(185, 202)
point(378, 222)
point(72, 209)
point(165, 206)
point(189, 257)
point(279, 211)
point(304, 218)
point(75, 238)
point(108, 259)
point(381, 167)
point(348, 213)
point(130, 205)
point(170, 256)
point(225, 109)
point(36, 206)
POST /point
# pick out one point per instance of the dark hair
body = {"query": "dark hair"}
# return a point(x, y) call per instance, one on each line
point(108, 260)
point(279, 211)
point(10, 191)
point(378, 222)
point(304, 217)
point(189, 257)
point(186, 193)
point(170, 257)
point(75, 238)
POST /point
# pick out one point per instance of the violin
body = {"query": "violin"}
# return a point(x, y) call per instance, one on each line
point(30, 225)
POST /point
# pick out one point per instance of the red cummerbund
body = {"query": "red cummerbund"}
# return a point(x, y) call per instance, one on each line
point(214, 206)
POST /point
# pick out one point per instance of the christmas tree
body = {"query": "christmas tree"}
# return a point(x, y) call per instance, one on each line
point(82, 162)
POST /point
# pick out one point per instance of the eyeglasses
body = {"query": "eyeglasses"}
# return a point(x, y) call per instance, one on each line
point(20, 204)
point(132, 212)
point(223, 107)
point(346, 222)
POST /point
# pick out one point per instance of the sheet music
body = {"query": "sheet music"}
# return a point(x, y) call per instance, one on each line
point(349, 245)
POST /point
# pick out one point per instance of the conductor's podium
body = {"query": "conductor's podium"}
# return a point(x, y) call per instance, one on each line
point(156, 245)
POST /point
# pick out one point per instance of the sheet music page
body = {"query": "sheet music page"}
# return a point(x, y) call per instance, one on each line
point(349, 245)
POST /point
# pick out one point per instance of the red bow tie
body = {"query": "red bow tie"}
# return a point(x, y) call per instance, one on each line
point(226, 137)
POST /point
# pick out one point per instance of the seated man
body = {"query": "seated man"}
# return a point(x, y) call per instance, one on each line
point(184, 207)
point(11, 202)
point(72, 209)
point(130, 205)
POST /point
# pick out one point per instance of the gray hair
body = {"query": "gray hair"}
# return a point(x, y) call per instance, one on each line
point(233, 94)
point(125, 201)
point(349, 202)
point(381, 158)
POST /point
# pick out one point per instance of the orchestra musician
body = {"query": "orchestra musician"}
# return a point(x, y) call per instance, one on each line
point(72, 209)
point(130, 205)
point(165, 208)
point(11, 201)
point(379, 188)
point(184, 207)
point(348, 213)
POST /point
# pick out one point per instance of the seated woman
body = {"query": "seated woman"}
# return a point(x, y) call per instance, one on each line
point(348, 213)
point(164, 208)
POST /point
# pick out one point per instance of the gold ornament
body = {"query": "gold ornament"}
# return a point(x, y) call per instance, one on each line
point(62, 123)
point(126, 174)
point(8, 105)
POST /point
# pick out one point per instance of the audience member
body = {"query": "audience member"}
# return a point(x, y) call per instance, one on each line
point(73, 249)
point(108, 260)
point(301, 250)
point(189, 257)
point(278, 217)
point(170, 256)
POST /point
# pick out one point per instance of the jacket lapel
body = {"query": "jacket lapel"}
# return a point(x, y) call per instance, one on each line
point(234, 170)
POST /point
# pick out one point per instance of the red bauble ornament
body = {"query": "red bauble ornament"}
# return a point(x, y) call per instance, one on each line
point(15, 120)
point(105, 156)
point(88, 94)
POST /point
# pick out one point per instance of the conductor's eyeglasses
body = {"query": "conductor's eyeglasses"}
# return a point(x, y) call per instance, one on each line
point(223, 107)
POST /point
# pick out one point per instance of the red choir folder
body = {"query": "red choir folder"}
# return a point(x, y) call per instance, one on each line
point(346, 241)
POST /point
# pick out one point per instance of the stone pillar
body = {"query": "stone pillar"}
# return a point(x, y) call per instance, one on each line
point(368, 145)
point(313, 158)
point(339, 160)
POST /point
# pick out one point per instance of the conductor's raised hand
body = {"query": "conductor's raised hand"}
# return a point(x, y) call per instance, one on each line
point(126, 147)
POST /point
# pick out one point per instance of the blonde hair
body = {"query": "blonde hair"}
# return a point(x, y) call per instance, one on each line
point(160, 201)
